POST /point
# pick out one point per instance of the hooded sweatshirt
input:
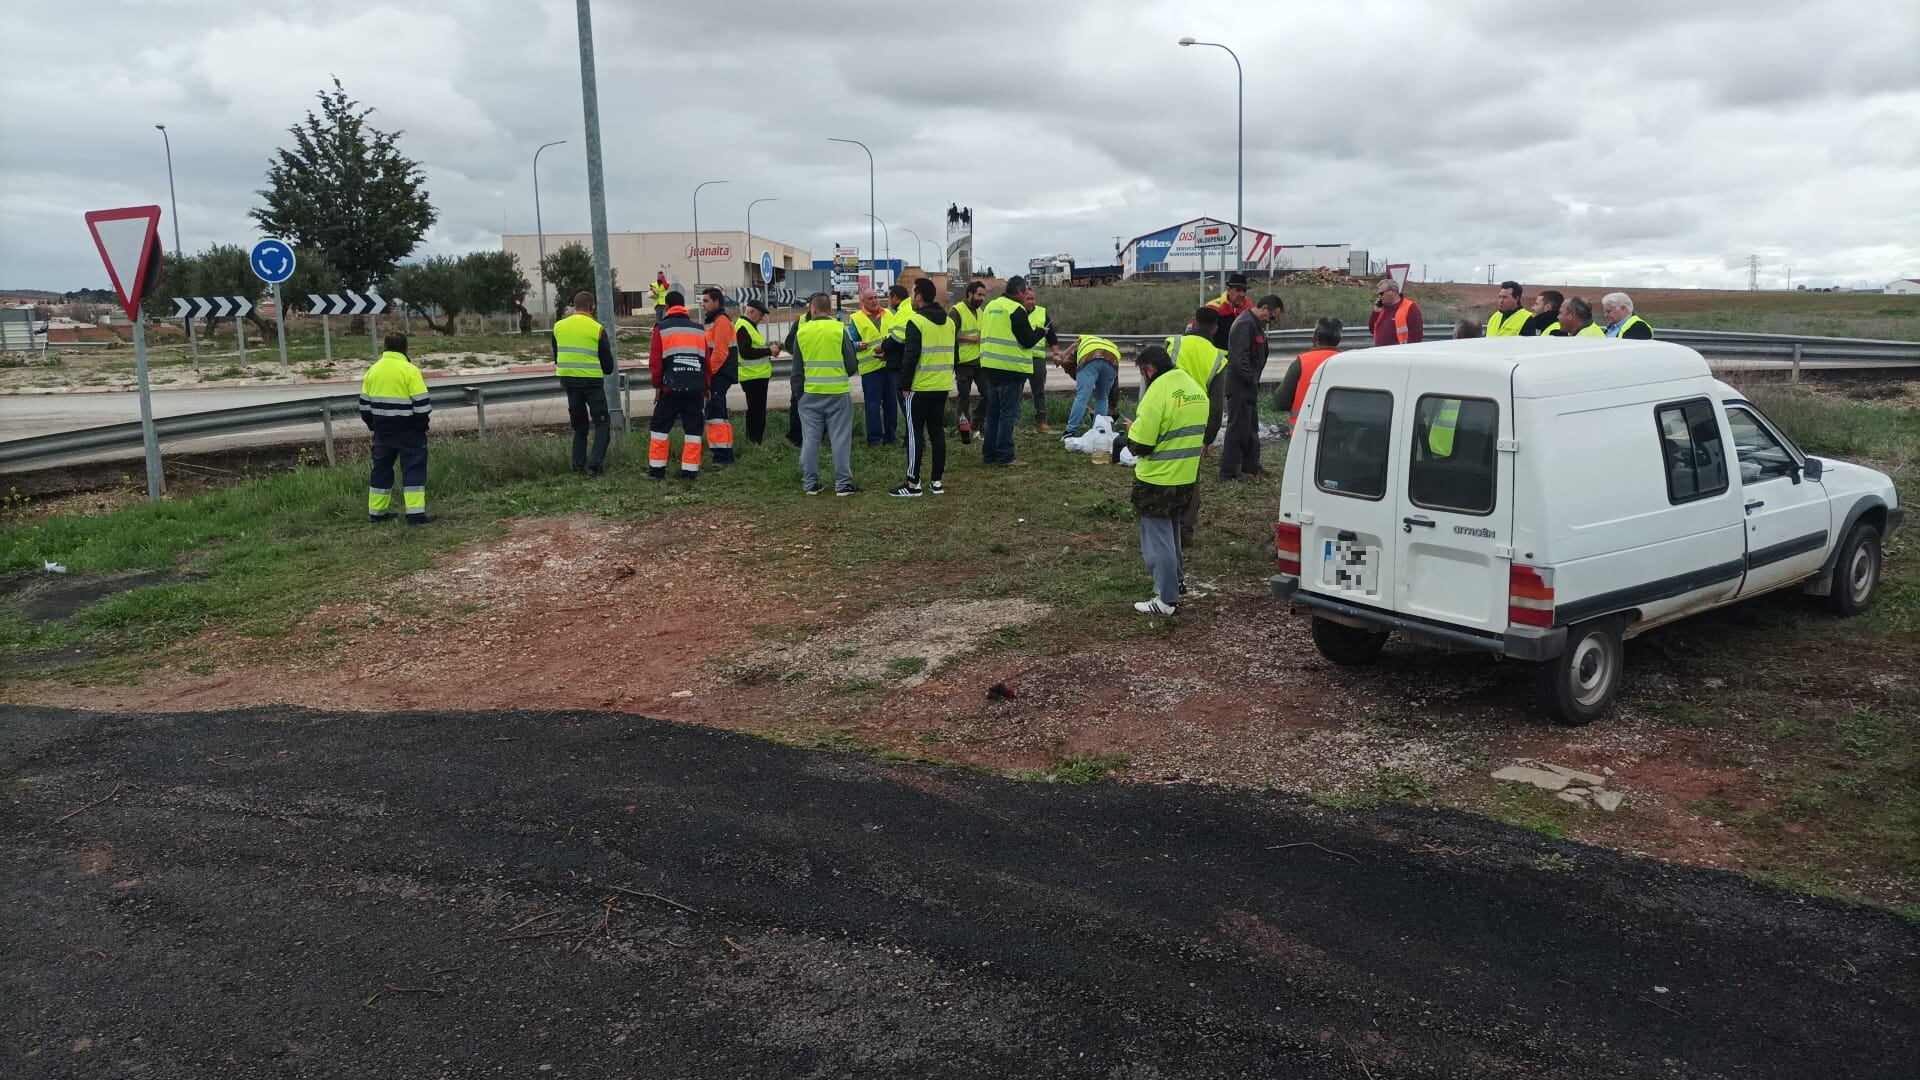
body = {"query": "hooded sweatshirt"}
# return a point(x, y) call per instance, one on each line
point(910, 353)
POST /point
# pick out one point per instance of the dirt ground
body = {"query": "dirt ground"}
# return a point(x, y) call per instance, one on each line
point(572, 613)
point(286, 893)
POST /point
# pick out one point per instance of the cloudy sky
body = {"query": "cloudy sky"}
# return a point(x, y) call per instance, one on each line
point(1661, 148)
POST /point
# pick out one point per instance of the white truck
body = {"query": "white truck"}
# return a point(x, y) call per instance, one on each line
point(1543, 499)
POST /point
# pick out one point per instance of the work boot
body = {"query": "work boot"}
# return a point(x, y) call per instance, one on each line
point(421, 519)
point(966, 431)
point(375, 519)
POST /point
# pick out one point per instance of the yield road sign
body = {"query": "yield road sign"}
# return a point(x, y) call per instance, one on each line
point(766, 267)
point(128, 240)
point(1398, 272)
point(347, 303)
point(272, 260)
point(218, 307)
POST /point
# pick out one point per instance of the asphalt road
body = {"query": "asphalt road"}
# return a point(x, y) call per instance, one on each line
point(285, 893)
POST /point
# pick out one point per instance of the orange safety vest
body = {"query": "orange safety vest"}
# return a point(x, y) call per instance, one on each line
point(683, 352)
point(1400, 320)
point(721, 343)
point(1310, 362)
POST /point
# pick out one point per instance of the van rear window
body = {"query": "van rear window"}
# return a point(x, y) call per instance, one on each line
point(1355, 430)
point(1454, 443)
point(1690, 444)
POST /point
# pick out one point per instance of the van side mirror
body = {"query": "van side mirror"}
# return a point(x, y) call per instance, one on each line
point(1812, 468)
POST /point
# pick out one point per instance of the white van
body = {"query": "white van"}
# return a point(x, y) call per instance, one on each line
point(1545, 498)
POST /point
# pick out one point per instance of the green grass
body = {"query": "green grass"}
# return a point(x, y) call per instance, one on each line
point(1402, 786)
point(1527, 807)
point(907, 665)
point(1079, 769)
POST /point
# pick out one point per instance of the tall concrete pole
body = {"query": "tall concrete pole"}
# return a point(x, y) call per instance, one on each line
point(597, 208)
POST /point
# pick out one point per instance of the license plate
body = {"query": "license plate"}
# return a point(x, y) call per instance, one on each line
point(1349, 566)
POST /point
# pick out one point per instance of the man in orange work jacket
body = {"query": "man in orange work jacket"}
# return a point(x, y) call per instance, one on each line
point(1292, 394)
point(723, 370)
point(677, 366)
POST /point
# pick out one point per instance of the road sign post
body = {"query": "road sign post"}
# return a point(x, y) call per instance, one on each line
point(127, 239)
point(273, 262)
point(326, 337)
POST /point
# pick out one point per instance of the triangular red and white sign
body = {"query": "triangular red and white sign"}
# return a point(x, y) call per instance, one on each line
point(128, 240)
point(1398, 272)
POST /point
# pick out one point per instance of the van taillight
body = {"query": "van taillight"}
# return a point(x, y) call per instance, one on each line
point(1286, 546)
point(1529, 596)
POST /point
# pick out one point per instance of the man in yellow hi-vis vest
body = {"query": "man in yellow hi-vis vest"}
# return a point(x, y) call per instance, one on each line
point(926, 370)
point(397, 408)
point(1166, 439)
point(826, 360)
point(583, 358)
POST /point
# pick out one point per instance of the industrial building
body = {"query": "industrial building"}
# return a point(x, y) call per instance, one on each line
point(1172, 251)
point(728, 259)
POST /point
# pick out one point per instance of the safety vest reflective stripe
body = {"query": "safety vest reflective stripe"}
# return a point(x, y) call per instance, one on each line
point(754, 369)
point(968, 322)
point(1037, 318)
point(1178, 403)
point(576, 340)
point(869, 332)
point(999, 350)
point(823, 367)
point(935, 371)
point(1440, 433)
point(1090, 344)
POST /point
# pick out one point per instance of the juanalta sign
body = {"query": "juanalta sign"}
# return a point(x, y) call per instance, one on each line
point(712, 251)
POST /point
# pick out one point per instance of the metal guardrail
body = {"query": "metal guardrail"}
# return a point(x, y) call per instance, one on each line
point(321, 410)
point(1732, 349)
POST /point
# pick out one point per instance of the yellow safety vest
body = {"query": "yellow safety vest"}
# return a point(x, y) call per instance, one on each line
point(659, 295)
point(1173, 418)
point(897, 321)
point(870, 331)
point(1090, 344)
point(1440, 432)
point(754, 369)
point(1037, 318)
point(1590, 330)
point(823, 368)
point(577, 341)
point(935, 373)
point(1197, 357)
point(968, 322)
point(1628, 322)
point(999, 349)
point(1508, 325)
point(1549, 329)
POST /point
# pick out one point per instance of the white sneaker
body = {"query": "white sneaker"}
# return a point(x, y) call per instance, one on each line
point(1153, 606)
point(939, 488)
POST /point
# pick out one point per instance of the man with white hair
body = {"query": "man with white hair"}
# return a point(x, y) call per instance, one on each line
point(1621, 321)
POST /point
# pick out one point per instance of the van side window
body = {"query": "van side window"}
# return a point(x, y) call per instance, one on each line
point(1690, 445)
point(1356, 427)
point(1761, 456)
point(1454, 443)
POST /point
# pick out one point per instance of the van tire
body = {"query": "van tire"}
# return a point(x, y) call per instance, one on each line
point(1577, 687)
point(1347, 646)
point(1856, 573)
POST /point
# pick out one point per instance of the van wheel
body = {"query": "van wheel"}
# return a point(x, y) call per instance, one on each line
point(1856, 573)
point(1346, 645)
point(1575, 688)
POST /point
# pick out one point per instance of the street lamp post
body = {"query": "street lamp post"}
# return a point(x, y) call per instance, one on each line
point(768, 285)
point(919, 249)
point(597, 209)
point(696, 228)
point(1240, 145)
point(193, 339)
point(870, 203)
point(888, 233)
point(540, 231)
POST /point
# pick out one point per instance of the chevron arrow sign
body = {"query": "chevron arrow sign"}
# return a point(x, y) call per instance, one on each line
point(218, 307)
point(346, 303)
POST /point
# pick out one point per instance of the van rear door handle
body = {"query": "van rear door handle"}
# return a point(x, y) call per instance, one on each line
point(1755, 505)
point(1407, 524)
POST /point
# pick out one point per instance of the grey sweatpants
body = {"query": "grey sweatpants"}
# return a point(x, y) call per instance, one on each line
point(828, 416)
point(1160, 549)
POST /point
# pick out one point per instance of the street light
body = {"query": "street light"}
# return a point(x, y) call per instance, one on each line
point(919, 249)
point(870, 203)
point(1240, 166)
point(696, 227)
point(767, 284)
point(888, 233)
point(193, 340)
point(540, 231)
